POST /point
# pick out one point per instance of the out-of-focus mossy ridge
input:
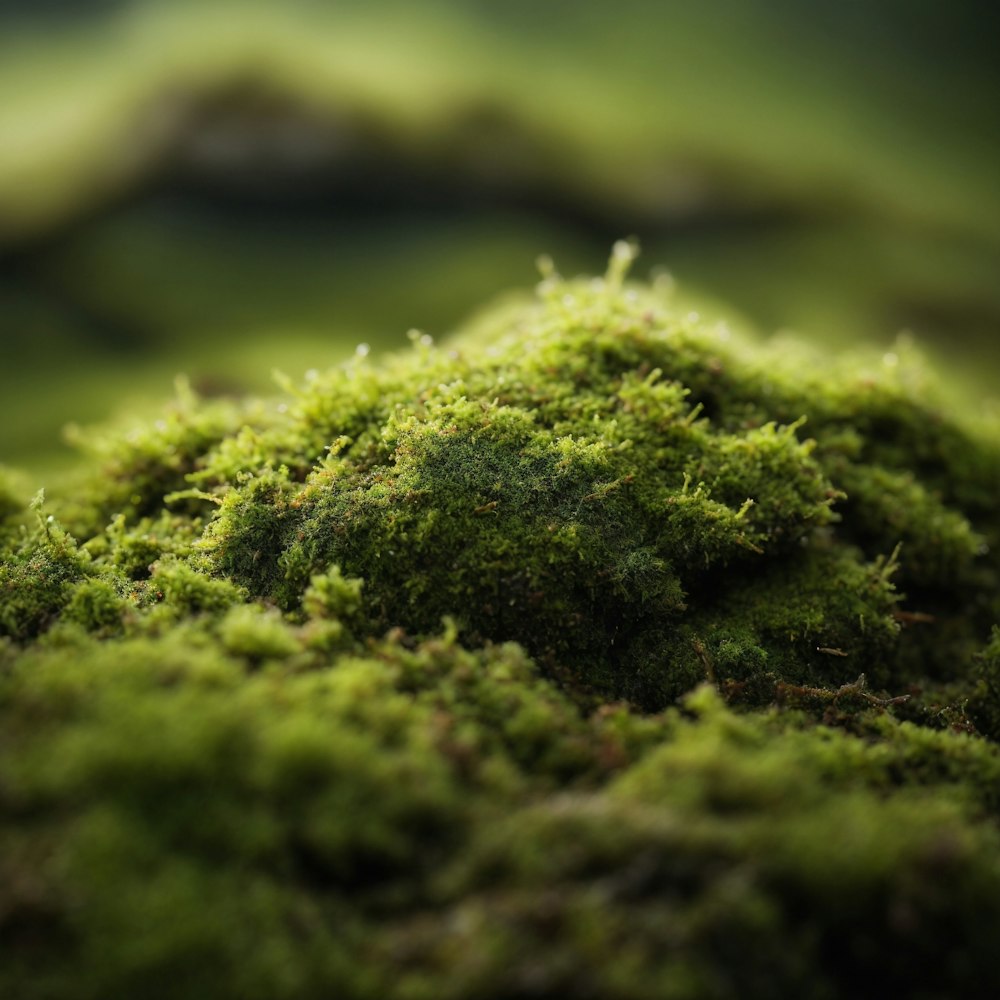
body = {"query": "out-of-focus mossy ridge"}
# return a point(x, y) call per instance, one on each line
point(429, 821)
point(235, 742)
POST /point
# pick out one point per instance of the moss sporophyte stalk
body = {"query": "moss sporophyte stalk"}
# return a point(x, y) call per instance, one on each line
point(596, 652)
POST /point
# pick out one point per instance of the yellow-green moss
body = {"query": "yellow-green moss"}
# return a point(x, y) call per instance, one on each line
point(237, 753)
point(639, 499)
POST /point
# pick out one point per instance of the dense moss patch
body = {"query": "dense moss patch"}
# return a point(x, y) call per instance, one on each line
point(413, 682)
point(637, 498)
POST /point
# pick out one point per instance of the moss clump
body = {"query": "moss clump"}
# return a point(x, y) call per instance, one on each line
point(640, 502)
point(235, 744)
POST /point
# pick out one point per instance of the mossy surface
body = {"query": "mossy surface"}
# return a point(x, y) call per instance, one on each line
point(414, 682)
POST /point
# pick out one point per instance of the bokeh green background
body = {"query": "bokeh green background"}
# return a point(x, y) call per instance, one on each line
point(226, 188)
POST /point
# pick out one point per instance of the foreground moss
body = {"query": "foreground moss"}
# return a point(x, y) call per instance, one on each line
point(435, 822)
point(238, 749)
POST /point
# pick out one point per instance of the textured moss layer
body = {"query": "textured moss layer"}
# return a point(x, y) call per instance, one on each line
point(264, 724)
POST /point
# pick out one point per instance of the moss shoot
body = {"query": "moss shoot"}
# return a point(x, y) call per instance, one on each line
point(596, 652)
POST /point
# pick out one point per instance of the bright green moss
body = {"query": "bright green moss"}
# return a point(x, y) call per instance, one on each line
point(97, 606)
point(615, 488)
point(36, 579)
point(139, 467)
point(641, 500)
point(237, 753)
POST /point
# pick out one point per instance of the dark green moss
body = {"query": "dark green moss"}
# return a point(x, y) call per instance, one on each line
point(985, 707)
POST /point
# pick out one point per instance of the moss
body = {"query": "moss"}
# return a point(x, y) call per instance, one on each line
point(985, 708)
point(639, 500)
point(36, 577)
point(437, 822)
point(612, 487)
point(708, 869)
point(97, 606)
point(593, 653)
point(142, 466)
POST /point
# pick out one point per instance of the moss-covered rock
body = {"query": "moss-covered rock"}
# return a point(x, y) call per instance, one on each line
point(264, 728)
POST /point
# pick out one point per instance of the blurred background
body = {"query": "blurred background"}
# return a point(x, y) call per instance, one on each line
point(223, 188)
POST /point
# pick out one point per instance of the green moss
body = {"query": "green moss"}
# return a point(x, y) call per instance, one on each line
point(709, 869)
point(141, 466)
point(235, 742)
point(97, 606)
point(615, 488)
point(985, 707)
point(640, 500)
point(435, 822)
point(36, 577)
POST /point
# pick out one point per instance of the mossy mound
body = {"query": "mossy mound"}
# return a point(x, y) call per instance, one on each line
point(238, 755)
point(638, 499)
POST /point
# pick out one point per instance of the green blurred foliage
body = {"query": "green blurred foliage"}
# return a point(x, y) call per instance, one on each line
point(226, 187)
